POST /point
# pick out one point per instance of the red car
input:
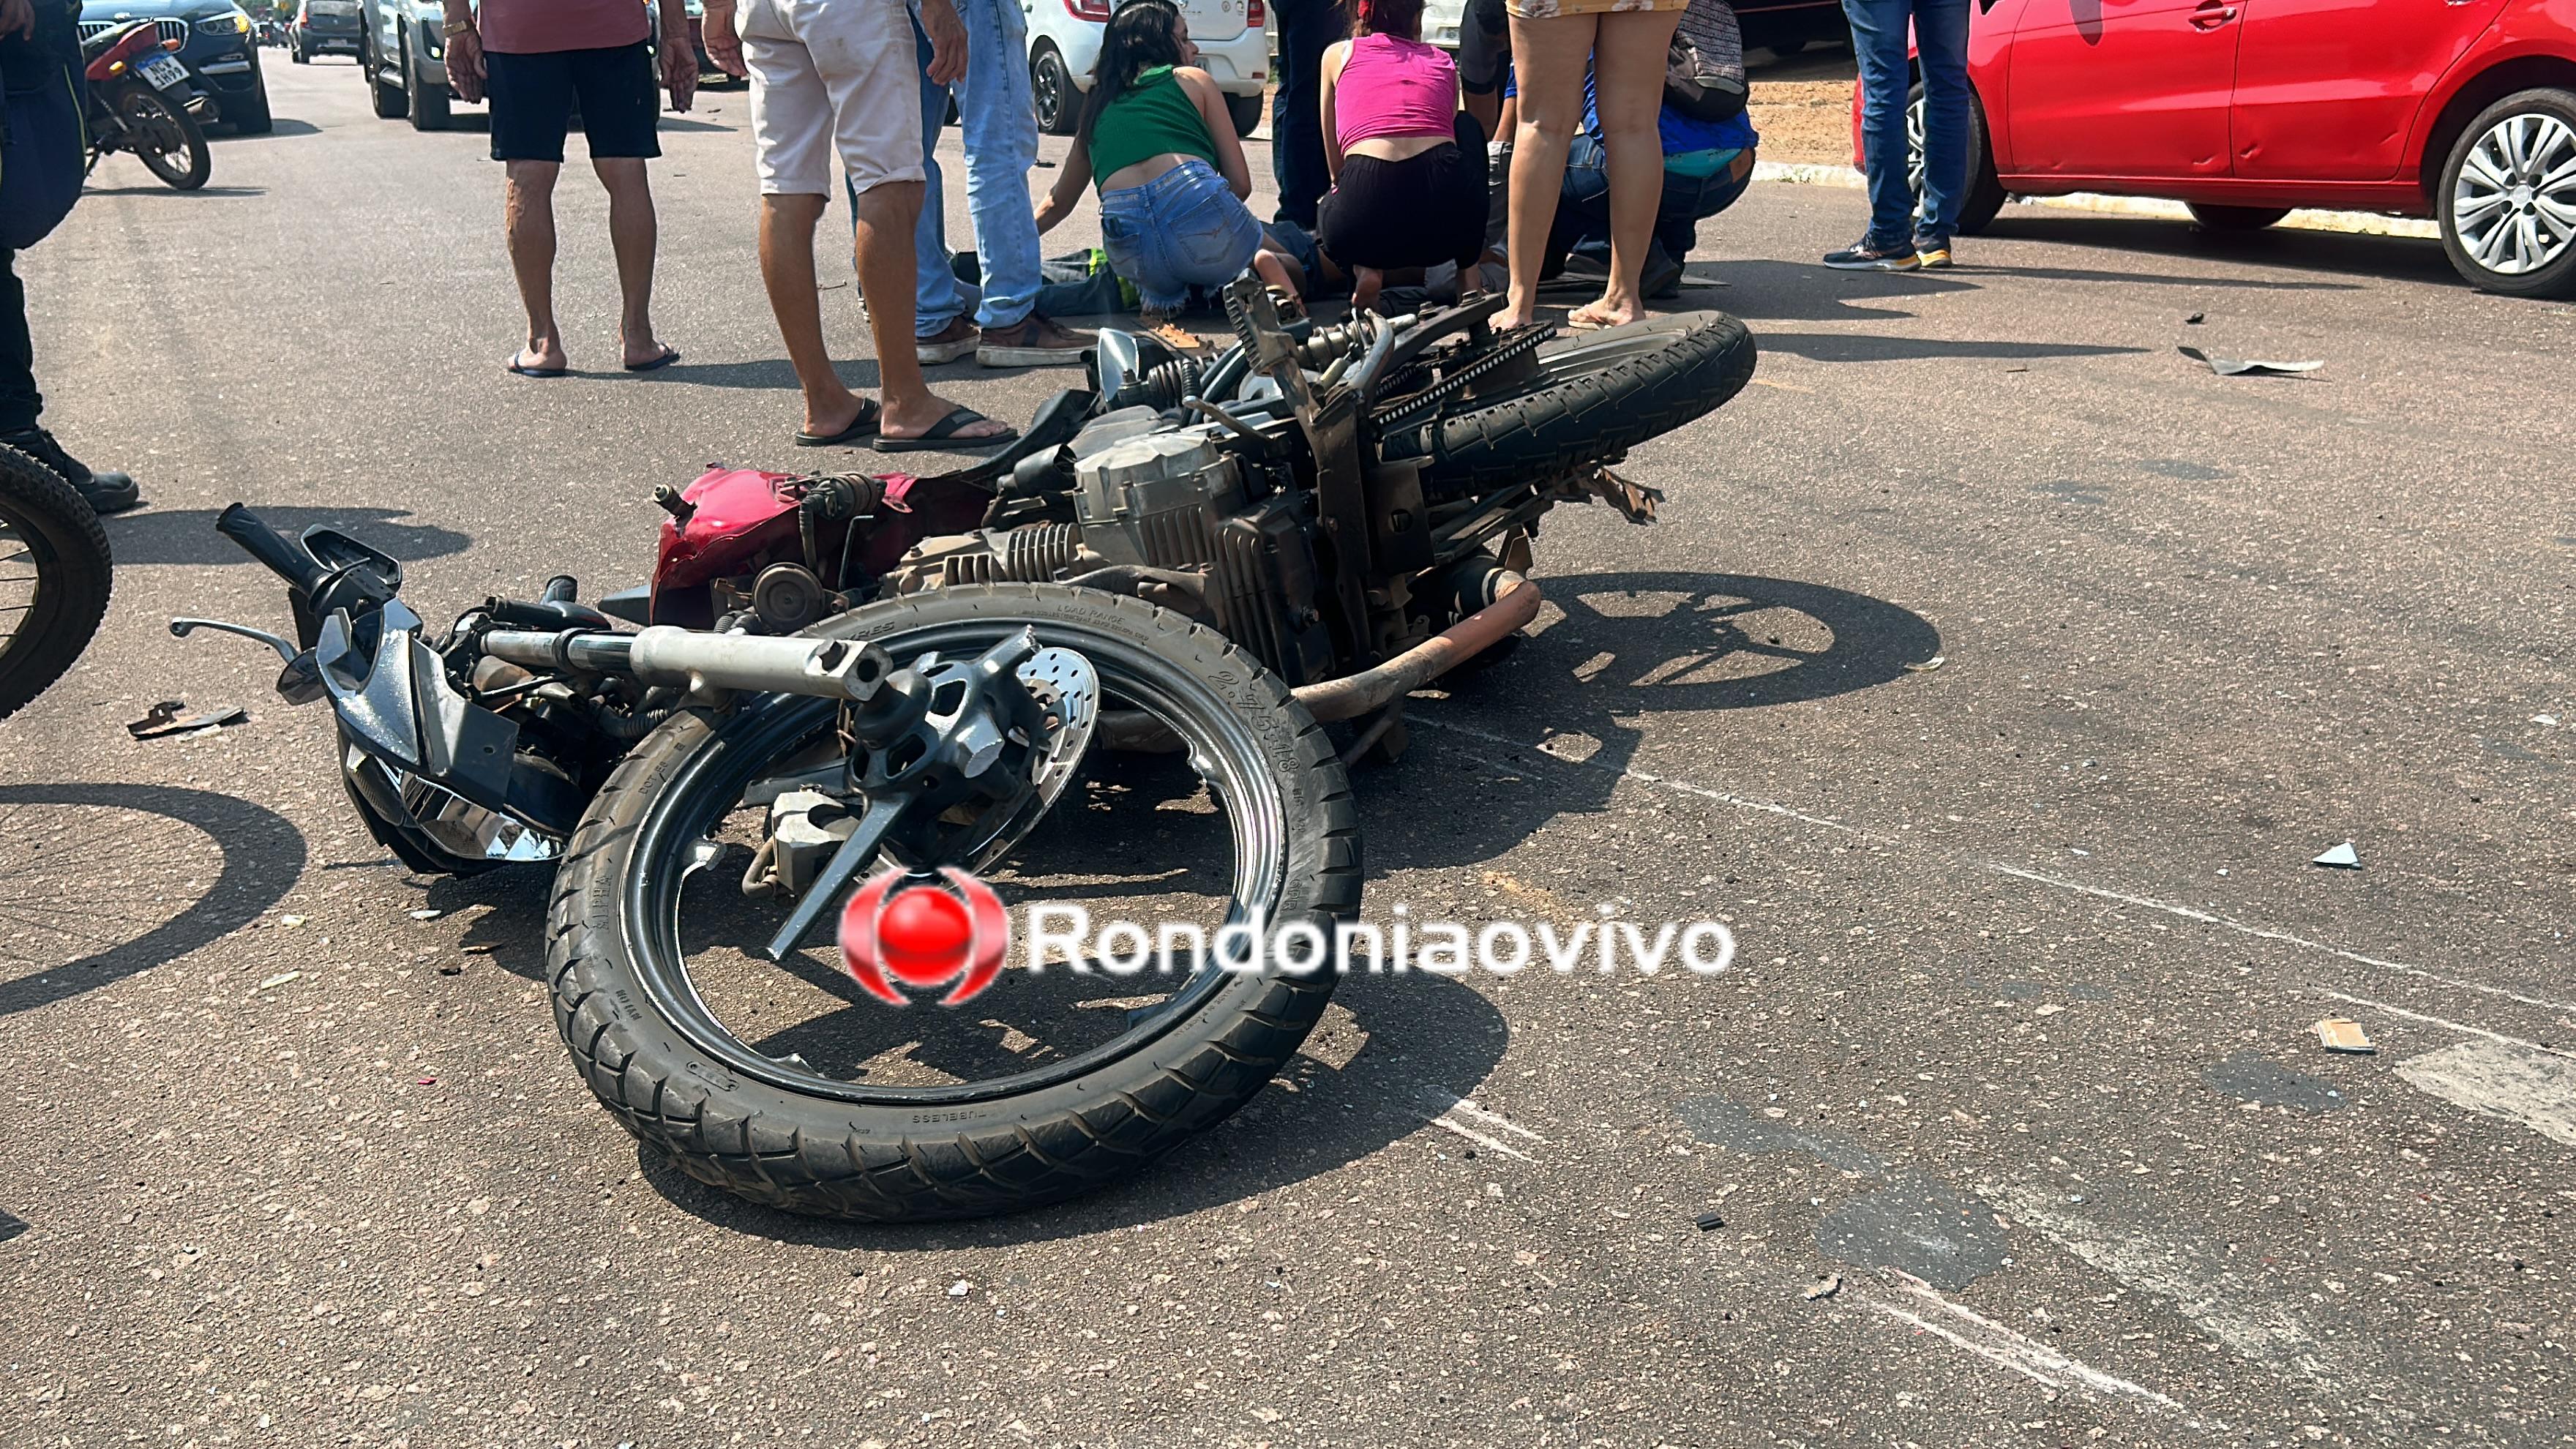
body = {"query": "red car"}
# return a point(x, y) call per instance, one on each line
point(2461, 110)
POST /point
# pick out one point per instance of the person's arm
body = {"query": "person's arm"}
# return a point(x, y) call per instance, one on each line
point(18, 18)
point(1202, 91)
point(724, 45)
point(464, 51)
point(1070, 180)
point(1333, 58)
point(679, 55)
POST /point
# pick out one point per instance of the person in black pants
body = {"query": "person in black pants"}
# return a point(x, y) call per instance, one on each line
point(39, 135)
point(1307, 28)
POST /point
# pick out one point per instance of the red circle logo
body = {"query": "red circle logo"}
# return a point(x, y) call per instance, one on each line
point(924, 935)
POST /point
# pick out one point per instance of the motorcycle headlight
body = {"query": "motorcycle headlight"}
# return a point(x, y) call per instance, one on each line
point(236, 23)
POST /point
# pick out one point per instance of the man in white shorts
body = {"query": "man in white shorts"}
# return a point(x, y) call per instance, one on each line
point(843, 75)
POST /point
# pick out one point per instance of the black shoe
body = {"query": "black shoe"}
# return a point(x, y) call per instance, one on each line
point(105, 492)
point(1868, 256)
point(1663, 275)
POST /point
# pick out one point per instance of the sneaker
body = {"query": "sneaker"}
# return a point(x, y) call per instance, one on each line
point(948, 344)
point(1930, 254)
point(105, 492)
point(1868, 256)
point(1033, 341)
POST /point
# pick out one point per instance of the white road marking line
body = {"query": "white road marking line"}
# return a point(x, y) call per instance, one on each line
point(1435, 1104)
point(1994, 1342)
point(2441, 1021)
point(2267, 934)
point(1684, 787)
point(2529, 1088)
point(1493, 1119)
point(1490, 1144)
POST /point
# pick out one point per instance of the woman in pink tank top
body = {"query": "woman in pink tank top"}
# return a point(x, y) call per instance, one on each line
point(1408, 166)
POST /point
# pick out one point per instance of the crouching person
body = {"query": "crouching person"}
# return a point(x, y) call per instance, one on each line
point(1408, 166)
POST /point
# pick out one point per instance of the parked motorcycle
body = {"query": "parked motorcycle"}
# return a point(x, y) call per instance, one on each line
point(1208, 563)
point(139, 101)
point(54, 577)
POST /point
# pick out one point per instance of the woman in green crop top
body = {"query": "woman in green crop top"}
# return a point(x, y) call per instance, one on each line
point(1171, 174)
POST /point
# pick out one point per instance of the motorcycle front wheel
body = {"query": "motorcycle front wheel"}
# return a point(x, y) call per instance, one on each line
point(54, 577)
point(788, 1085)
point(165, 139)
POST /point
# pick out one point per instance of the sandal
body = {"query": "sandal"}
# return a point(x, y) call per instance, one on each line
point(864, 425)
point(943, 435)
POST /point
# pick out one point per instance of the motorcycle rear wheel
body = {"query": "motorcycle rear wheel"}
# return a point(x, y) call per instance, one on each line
point(774, 1130)
point(1593, 397)
point(165, 139)
point(55, 574)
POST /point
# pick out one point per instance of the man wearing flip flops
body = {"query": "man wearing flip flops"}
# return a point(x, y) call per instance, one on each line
point(843, 76)
point(536, 59)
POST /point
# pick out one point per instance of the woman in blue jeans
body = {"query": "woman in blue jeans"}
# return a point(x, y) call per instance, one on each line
point(1172, 176)
point(1899, 241)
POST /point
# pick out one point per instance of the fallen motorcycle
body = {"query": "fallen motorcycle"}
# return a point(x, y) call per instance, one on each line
point(139, 102)
point(1197, 563)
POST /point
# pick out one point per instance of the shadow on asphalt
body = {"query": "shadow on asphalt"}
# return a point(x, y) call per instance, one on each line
point(2393, 258)
point(1866, 347)
point(262, 853)
point(768, 375)
point(187, 535)
point(158, 190)
point(278, 126)
point(1806, 292)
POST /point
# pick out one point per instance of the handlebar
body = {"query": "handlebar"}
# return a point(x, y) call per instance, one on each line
point(281, 555)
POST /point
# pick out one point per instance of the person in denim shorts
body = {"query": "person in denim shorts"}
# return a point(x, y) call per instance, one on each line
point(1172, 175)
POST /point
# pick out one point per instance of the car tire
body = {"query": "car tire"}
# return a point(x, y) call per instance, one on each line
point(2486, 207)
point(1245, 112)
point(250, 115)
point(296, 54)
point(2235, 218)
point(391, 103)
point(1985, 190)
point(426, 105)
point(1059, 100)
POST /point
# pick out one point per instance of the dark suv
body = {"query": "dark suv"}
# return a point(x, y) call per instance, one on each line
point(218, 44)
point(323, 27)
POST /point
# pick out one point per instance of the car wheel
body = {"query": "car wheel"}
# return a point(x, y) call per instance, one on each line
point(1985, 192)
point(1245, 112)
point(391, 104)
point(2508, 197)
point(2235, 218)
point(250, 115)
point(296, 54)
point(1059, 101)
point(428, 104)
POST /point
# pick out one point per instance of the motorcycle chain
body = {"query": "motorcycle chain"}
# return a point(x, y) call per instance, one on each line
point(1506, 348)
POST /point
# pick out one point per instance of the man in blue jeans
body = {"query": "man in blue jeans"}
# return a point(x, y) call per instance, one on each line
point(1899, 241)
point(999, 122)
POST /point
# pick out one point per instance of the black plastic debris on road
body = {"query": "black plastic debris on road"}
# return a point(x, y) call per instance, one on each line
point(170, 717)
point(1708, 1222)
point(11, 1225)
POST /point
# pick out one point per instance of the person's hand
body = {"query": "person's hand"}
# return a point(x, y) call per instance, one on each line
point(679, 67)
point(465, 65)
point(17, 17)
point(947, 42)
point(724, 46)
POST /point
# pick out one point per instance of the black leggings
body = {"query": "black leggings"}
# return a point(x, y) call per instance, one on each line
point(1417, 212)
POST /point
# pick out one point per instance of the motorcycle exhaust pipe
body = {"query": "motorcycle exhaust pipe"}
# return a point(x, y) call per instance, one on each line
point(702, 663)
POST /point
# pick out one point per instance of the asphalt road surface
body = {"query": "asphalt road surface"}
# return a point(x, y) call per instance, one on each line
point(1995, 671)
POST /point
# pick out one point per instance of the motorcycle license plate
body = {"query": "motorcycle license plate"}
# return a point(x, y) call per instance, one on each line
point(165, 73)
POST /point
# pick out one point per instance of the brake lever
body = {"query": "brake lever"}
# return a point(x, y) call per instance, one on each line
point(182, 628)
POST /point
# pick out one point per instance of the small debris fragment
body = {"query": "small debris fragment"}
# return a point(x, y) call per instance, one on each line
point(960, 1288)
point(2017, 367)
point(451, 968)
point(170, 717)
point(2246, 366)
point(427, 914)
point(2544, 719)
point(290, 922)
point(1832, 1285)
point(1708, 1222)
point(1928, 665)
point(2195, 319)
point(2339, 1035)
point(281, 978)
point(428, 1081)
point(2342, 857)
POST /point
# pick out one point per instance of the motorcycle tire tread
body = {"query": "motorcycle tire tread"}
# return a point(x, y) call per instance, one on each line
point(828, 1158)
point(71, 599)
point(1584, 420)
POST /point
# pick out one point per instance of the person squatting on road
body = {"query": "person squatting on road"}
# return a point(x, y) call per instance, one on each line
point(1171, 174)
point(535, 60)
point(1408, 165)
point(1623, 44)
point(1898, 240)
point(42, 102)
point(831, 75)
point(998, 123)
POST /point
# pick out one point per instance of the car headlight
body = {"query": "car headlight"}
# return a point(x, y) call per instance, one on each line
point(236, 23)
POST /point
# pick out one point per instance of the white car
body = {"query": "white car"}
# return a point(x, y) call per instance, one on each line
point(1064, 49)
point(1440, 22)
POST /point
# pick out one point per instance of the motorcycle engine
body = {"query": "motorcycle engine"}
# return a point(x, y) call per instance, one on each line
point(1173, 510)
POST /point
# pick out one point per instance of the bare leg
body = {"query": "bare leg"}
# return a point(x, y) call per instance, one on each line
point(787, 270)
point(1551, 56)
point(632, 232)
point(528, 216)
point(1629, 57)
point(886, 213)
